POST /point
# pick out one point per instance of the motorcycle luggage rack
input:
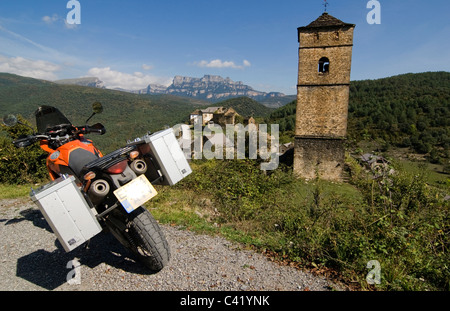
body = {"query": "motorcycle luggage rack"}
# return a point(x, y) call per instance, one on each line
point(154, 182)
point(109, 159)
point(107, 211)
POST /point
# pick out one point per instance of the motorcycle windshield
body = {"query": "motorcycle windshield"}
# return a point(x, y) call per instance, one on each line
point(48, 117)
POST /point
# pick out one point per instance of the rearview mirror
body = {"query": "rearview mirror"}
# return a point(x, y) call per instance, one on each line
point(10, 120)
point(97, 107)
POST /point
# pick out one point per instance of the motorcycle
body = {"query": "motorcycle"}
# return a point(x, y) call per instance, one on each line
point(114, 186)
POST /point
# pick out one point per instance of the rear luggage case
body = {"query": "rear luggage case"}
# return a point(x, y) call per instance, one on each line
point(67, 212)
point(166, 161)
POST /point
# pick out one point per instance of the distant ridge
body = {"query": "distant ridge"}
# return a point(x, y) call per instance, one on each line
point(215, 88)
point(212, 88)
point(88, 81)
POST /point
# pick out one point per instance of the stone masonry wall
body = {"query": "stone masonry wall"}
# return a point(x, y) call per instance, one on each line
point(323, 158)
point(322, 102)
point(322, 111)
point(340, 61)
point(322, 98)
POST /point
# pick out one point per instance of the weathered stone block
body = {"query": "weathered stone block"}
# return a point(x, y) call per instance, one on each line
point(323, 158)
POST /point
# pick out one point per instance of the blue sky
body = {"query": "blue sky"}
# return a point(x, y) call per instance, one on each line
point(133, 43)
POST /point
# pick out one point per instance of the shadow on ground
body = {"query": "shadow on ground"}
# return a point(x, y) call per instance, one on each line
point(50, 270)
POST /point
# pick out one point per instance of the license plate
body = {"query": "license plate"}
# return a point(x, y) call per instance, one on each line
point(135, 193)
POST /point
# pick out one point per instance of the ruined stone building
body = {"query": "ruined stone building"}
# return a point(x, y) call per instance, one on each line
point(206, 115)
point(325, 54)
point(224, 116)
point(218, 115)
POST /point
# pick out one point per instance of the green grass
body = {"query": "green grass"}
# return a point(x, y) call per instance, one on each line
point(336, 226)
point(401, 221)
point(433, 174)
point(14, 191)
point(182, 208)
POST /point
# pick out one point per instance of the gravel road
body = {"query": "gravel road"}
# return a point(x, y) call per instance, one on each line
point(31, 259)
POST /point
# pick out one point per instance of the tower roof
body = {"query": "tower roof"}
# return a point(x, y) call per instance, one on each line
point(326, 21)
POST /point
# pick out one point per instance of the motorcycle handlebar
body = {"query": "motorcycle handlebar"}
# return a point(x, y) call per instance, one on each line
point(26, 141)
point(29, 140)
point(96, 128)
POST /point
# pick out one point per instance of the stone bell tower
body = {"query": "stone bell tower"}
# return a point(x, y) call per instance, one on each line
point(325, 55)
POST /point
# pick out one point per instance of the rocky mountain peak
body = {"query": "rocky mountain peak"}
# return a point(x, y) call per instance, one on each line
point(88, 81)
point(210, 87)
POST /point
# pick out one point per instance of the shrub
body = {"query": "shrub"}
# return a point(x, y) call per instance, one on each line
point(396, 219)
point(20, 166)
point(406, 223)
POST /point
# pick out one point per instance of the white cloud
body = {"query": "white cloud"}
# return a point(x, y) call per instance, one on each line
point(116, 79)
point(246, 63)
point(147, 67)
point(50, 19)
point(55, 18)
point(38, 69)
point(217, 63)
point(24, 39)
point(70, 26)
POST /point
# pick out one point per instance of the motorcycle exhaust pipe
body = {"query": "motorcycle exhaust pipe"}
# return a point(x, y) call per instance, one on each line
point(98, 191)
point(139, 167)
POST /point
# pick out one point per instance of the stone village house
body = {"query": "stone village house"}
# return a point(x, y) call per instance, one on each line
point(221, 116)
point(218, 115)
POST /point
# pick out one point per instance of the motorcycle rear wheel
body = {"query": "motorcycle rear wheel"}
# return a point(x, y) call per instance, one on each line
point(147, 241)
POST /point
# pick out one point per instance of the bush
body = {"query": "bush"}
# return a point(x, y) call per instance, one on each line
point(397, 220)
point(406, 227)
point(20, 166)
point(238, 186)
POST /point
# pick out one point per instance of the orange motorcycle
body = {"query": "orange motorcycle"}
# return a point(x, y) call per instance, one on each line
point(108, 190)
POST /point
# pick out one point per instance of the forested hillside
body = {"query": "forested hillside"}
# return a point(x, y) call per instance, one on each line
point(410, 110)
point(125, 115)
point(246, 107)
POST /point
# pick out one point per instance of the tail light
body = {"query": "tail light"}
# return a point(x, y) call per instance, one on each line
point(118, 168)
point(134, 154)
point(89, 175)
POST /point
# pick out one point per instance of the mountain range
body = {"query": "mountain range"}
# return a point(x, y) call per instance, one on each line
point(126, 115)
point(89, 81)
point(212, 88)
point(405, 111)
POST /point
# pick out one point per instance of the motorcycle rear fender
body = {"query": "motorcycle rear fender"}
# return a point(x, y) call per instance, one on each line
point(116, 181)
point(121, 179)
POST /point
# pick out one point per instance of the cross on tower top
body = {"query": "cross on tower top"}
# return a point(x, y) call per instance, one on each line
point(325, 5)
